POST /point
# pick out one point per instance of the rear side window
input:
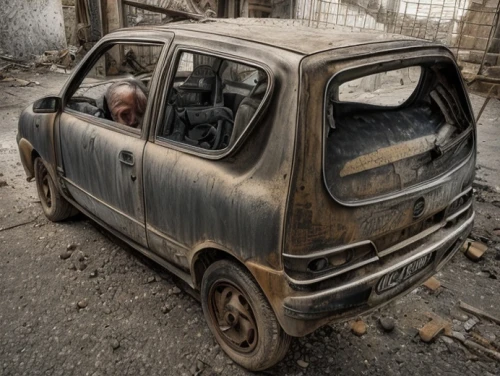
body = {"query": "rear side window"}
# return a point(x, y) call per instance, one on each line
point(211, 101)
point(393, 128)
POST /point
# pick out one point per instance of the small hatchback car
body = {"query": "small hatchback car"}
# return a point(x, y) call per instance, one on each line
point(293, 176)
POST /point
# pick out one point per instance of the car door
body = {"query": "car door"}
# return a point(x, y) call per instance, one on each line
point(189, 184)
point(100, 158)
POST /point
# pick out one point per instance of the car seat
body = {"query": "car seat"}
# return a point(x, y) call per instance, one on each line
point(248, 107)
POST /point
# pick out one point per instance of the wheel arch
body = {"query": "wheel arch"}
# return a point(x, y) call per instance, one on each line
point(28, 154)
point(205, 257)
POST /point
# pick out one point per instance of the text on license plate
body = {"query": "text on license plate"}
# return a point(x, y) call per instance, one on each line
point(396, 277)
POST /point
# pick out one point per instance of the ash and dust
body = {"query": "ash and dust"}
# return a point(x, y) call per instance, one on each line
point(75, 301)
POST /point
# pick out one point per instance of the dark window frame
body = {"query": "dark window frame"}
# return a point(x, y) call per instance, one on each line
point(353, 72)
point(94, 55)
point(173, 62)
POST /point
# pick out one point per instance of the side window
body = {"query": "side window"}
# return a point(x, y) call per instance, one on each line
point(211, 101)
point(116, 87)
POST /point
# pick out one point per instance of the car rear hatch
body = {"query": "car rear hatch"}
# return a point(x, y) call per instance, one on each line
point(399, 127)
point(383, 173)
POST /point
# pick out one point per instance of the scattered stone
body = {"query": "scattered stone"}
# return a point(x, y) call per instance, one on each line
point(199, 365)
point(475, 250)
point(358, 328)
point(114, 343)
point(107, 310)
point(496, 231)
point(166, 308)
point(469, 324)
point(447, 340)
point(151, 279)
point(65, 255)
point(458, 315)
point(387, 323)
point(82, 303)
point(176, 290)
point(82, 266)
point(71, 247)
point(433, 328)
point(72, 267)
point(93, 274)
point(3, 183)
point(432, 284)
point(302, 363)
point(459, 336)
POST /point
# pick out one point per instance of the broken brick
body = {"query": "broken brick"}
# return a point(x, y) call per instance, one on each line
point(433, 328)
point(476, 250)
point(432, 284)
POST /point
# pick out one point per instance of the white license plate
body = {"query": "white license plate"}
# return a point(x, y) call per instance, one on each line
point(396, 277)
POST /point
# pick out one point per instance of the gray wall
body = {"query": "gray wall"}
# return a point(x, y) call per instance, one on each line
point(30, 27)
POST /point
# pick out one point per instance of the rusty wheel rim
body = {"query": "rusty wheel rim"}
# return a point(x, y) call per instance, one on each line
point(233, 317)
point(45, 187)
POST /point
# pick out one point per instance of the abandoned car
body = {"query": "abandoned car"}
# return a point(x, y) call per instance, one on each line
point(292, 176)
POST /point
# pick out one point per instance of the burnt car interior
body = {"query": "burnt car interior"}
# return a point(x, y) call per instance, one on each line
point(211, 101)
point(132, 63)
point(378, 148)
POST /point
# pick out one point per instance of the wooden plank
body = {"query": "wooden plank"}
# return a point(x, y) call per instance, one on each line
point(479, 312)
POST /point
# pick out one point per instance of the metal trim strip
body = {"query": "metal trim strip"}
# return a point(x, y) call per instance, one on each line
point(331, 251)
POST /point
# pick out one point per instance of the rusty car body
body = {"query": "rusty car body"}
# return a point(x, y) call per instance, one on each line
point(332, 208)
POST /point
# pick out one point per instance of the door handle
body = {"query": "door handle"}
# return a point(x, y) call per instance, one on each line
point(126, 157)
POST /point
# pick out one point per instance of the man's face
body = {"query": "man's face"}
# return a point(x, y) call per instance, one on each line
point(126, 111)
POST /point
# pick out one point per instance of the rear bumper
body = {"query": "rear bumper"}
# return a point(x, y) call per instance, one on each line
point(360, 295)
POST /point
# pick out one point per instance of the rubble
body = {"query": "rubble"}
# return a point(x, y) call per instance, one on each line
point(387, 323)
point(432, 284)
point(358, 328)
point(474, 250)
point(470, 323)
point(433, 328)
point(82, 303)
point(60, 58)
point(473, 346)
point(479, 312)
point(18, 82)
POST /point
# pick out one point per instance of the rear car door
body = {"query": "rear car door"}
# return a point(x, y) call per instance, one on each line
point(191, 189)
point(100, 153)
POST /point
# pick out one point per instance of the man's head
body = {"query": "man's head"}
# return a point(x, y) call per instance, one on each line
point(127, 101)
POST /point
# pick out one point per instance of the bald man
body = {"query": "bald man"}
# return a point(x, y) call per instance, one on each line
point(127, 101)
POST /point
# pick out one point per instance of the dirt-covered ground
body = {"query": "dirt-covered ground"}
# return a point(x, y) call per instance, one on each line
point(102, 309)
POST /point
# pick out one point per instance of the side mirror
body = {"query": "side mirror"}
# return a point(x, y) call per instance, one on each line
point(47, 105)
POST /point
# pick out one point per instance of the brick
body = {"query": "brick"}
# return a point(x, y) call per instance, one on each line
point(434, 327)
point(432, 284)
point(476, 251)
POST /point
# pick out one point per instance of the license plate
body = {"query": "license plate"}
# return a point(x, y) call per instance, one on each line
point(395, 278)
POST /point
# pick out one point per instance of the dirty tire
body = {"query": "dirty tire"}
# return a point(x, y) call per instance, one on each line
point(54, 206)
point(240, 317)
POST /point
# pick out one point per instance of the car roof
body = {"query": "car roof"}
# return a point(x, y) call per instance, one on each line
point(291, 35)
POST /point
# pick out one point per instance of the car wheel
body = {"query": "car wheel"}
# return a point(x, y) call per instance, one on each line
point(54, 206)
point(241, 318)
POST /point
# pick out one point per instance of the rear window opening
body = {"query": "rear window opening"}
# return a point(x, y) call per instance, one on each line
point(390, 88)
point(393, 126)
